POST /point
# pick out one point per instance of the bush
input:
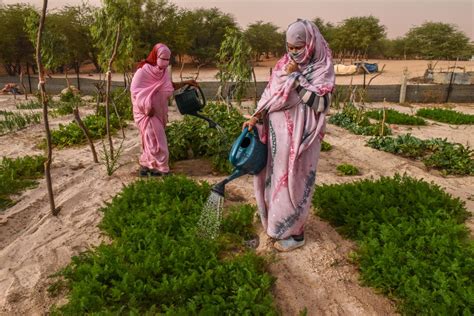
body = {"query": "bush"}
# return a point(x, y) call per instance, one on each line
point(71, 134)
point(356, 121)
point(435, 153)
point(325, 146)
point(192, 137)
point(395, 117)
point(157, 265)
point(348, 170)
point(446, 116)
point(412, 244)
point(70, 96)
point(18, 174)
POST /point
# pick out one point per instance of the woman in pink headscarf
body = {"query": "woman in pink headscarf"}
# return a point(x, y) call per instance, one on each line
point(151, 88)
point(293, 111)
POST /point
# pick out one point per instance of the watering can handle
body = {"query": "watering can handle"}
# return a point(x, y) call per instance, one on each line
point(203, 98)
point(233, 152)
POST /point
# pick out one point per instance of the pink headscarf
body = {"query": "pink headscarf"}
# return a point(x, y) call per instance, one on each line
point(315, 65)
point(151, 77)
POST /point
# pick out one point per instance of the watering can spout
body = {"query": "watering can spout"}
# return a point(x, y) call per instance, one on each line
point(219, 188)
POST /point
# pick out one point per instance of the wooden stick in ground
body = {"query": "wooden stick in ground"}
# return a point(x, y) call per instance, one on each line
point(44, 100)
point(107, 93)
point(84, 129)
point(23, 84)
point(383, 121)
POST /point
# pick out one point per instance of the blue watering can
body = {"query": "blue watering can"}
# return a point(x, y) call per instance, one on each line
point(248, 155)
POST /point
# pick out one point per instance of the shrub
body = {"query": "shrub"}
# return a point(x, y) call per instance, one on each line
point(156, 264)
point(18, 174)
point(395, 117)
point(435, 153)
point(412, 244)
point(446, 116)
point(193, 136)
point(348, 170)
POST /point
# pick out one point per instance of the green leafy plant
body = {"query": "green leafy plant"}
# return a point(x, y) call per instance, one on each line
point(70, 96)
point(155, 264)
point(446, 116)
point(325, 146)
point(18, 174)
point(71, 134)
point(356, 121)
point(412, 244)
point(13, 121)
point(395, 117)
point(111, 161)
point(348, 169)
point(30, 105)
point(192, 137)
point(435, 153)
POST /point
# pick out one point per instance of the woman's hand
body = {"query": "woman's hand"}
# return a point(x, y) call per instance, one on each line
point(291, 67)
point(250, 123)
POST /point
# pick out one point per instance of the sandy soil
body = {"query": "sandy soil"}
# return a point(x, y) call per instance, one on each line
point(35, 244)
point(392, 72)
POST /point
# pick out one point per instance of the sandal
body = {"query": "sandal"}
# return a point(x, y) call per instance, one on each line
point(289, 244)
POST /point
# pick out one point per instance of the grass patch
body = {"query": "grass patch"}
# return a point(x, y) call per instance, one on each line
point(412, 244)
point(446, 116)
point(357, 122)
point(18, 174)
point(325, 146)
point(395, 117)
point(71, 134)
point(435, 153)
point(155, 264)
point(348, 169)
point(13, 121)
point(192, 138)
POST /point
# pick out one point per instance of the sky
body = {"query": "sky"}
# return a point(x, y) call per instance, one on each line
point(397, 15)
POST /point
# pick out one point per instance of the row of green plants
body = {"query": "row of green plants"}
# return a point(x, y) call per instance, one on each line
point(67, 135)
point(192, 137)
point(156, 264)
point(446, 116)
point(395, 117)
point(437, 153)
point(412, 243)
point(18, 174)
point(356, 121)
point(13, 121)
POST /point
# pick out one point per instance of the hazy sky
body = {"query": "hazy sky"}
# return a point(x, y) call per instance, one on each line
point(397, 15)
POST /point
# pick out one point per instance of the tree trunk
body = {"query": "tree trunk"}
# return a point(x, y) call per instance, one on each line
point(44, 100)
point(23, 85)
point(29, 77)
point(84, 129)
point(107, 91)
point(77, 68)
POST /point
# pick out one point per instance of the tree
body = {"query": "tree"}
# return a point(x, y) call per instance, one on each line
point(206, 29)
point(44, 100)
point(262, 37)
point(327, 29)
point(234, 62)
point(15, 46)
point(436, 40)
point(359, 35)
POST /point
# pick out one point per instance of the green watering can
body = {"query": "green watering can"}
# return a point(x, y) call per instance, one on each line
point(190, 101)
point(248, 155)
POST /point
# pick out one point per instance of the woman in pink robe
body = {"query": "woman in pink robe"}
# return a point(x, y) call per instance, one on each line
point(150, 89)
point(293, 111)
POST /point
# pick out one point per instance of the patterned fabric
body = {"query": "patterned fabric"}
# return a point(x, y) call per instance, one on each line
point(150, 89)
point(293, 133)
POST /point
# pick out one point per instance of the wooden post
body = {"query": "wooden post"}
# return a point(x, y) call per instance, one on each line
point(84, 129)
point(403, 87)
point(29, 77)
point(44, 99)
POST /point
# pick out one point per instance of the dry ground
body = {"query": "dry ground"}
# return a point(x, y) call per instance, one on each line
point(35, 244)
